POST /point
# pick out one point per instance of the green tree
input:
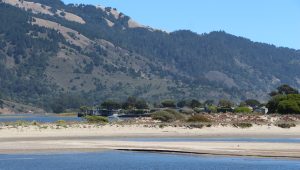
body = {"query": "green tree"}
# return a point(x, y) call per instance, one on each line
point(288, 106)
point(283, 90)
point(110, 105)
point(84, 109)
point(225, 103)
point(141, 104)
point(209, 102)
point(284, 104)
point(182, 103)
point(133, 102)
point(168, 103)
point(1, 103)
point(286, 89)
point(195, 103)
point(272, 105)
point(129, 103)
point(252, 102)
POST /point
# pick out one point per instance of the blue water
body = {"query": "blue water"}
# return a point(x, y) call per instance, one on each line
point(259, 140)
point(37, 118)
point(113, 160)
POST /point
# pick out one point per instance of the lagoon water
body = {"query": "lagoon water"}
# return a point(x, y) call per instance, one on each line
point(115, 160)
point(44, 118)
point(38, 118)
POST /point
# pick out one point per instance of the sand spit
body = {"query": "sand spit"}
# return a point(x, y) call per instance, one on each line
point(84, 137)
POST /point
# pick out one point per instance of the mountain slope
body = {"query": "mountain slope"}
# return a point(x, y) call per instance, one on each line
point(50, 49)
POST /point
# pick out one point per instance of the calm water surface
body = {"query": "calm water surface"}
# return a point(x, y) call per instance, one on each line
point(38, 118)
point(113, 160)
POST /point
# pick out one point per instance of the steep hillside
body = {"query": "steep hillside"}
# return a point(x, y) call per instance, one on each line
point(88, 53)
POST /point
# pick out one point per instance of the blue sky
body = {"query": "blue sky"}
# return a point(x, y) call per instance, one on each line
point(271, 21)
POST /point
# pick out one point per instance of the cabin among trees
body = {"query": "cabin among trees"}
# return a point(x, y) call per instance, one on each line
point(285, 100)
point(132, 107)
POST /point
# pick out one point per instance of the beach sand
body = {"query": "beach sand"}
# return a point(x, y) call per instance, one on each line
point(95, 138)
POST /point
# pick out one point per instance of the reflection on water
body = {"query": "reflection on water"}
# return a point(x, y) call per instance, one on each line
point(113, 160)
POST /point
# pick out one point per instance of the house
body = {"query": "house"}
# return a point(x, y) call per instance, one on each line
point(136, 113)
point(263, 110)
point(225, 109)
point(98, 112)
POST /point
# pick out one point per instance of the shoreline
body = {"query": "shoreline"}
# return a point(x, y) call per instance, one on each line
point(152, 148)
point(158, 151)
point(207, 154)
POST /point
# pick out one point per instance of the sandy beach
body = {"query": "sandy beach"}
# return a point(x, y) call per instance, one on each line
point(86, 137)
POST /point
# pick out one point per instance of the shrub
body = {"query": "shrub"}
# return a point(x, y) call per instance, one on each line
point(199, 118)
point(213, 109)
point(167, 116)
point(286, 125)
point(168, 103)
point(61, 123)
point(186, 111)
point(242, 125)
point(21, 123)
point(209, 125)
point(35, 123)
point(162, 126)
point(63, 14)
point(242, 110)
point(96, 119)
point(196, 125)
point(198, 110)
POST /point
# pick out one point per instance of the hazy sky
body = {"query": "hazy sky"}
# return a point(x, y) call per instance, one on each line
point(270, 21)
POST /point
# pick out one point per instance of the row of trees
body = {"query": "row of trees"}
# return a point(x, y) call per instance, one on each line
point(284, 100)
point(196, 103)
point(129, 104)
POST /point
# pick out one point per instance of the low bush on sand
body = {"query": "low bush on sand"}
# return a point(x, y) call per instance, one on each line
point(286, 125)
point(96, 119)
point(199, 118)
point(242, 125)
point(196, 125)
point(167, 116)
point(242, 110)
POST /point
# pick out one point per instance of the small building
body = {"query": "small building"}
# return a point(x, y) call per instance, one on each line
point(98, 112)
point(225, 109)
point(263, 110)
